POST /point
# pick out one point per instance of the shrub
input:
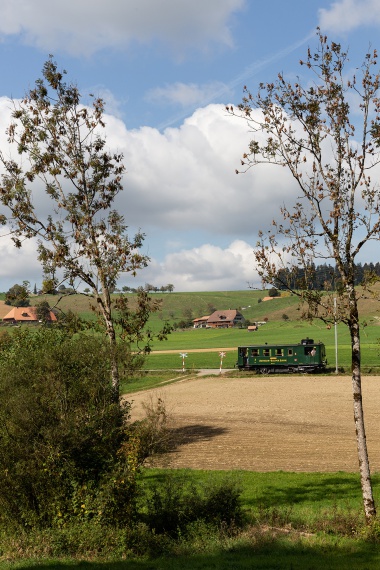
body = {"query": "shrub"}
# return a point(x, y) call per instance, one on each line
point(177, 503)
point(65, 448)
point(152, 432)
point(274, 292)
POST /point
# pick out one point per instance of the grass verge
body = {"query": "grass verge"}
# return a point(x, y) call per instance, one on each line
point(294, 521)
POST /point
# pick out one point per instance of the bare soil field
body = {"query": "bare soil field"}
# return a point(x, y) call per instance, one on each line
point(290, 423)
point(4, 309)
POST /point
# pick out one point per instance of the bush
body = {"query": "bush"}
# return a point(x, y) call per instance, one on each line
point(177, 503)
point(65, 447)
point(274, 292)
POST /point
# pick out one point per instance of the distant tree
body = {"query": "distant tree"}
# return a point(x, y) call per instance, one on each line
point(43, 311)
point(35, 289)
point(273, 292)
point(49, 287)
point(17, 296)
point(170, 287)
point(327, 134)
point(60, 144)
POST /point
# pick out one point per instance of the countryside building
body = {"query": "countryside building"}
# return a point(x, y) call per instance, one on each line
point(220, 320)
point(25, 315)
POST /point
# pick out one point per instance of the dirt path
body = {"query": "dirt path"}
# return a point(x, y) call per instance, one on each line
point(292, 423)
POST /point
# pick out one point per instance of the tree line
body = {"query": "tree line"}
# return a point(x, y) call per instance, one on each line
point(324, 277)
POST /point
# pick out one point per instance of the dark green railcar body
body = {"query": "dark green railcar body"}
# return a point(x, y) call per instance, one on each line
point(306, 356)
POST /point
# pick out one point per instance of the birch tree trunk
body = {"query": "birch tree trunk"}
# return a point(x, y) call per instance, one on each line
point(365, 474)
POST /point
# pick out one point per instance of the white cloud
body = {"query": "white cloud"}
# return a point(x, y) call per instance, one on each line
point(205, 268)
point(182, 183)
point(17, 265)
point(346, 15)
point(85, 27)
point(185, 177)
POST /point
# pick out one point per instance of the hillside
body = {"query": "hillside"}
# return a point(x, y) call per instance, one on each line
point(177, 306)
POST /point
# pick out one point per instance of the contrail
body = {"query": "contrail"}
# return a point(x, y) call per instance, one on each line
point(249, 72)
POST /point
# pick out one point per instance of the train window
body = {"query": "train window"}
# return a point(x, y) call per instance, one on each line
point(279, 352)
point(290, 352)
point(266, 351)
point(255, 352)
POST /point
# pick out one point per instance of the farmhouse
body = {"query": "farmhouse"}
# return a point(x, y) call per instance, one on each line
point(225, 319)
point(201, 322)
point(25, 315)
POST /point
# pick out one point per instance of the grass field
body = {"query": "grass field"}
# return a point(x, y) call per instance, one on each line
point(274, 332)
point(298, 521)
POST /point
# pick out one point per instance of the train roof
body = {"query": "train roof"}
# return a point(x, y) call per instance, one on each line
point(303, 342)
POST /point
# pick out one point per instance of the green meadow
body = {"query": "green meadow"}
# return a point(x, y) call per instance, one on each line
point(303, 521)
point(274, 332)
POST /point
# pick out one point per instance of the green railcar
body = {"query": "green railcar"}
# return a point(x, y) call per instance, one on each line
point(306, 356)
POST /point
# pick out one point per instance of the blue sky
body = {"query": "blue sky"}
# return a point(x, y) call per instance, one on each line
point(166, 69)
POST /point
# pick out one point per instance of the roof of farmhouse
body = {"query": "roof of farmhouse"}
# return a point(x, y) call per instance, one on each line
point(228, 315)
point(25, 314)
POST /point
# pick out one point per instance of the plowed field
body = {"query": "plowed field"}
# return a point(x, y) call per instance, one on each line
point(290, 423)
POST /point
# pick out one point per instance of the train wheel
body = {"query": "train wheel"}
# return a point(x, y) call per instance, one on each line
point(264, 370)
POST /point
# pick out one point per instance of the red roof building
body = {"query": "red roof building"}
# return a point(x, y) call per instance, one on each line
point(25, 315)
point(225, 319)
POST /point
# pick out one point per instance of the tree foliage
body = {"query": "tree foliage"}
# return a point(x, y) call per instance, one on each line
point(62, 152)
point(43, 311)
point(327, 134)
point(18, 295)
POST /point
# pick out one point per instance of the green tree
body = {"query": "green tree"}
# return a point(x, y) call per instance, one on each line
point(61, 144)
point(49, 287)
point(314, 131)
point(273, 292)
point(17, 296)
point(43, 311)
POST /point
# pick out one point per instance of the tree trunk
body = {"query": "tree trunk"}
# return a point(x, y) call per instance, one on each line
point(365, 474)
point(105, 308)
point(115, 379)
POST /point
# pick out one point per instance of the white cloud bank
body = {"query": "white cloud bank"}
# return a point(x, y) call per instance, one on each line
point(182, 184)
point(87, 26)
point(184, 178)
point(205, 268)
point(346, 15)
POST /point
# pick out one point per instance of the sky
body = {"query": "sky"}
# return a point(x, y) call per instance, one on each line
point(167, 69)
